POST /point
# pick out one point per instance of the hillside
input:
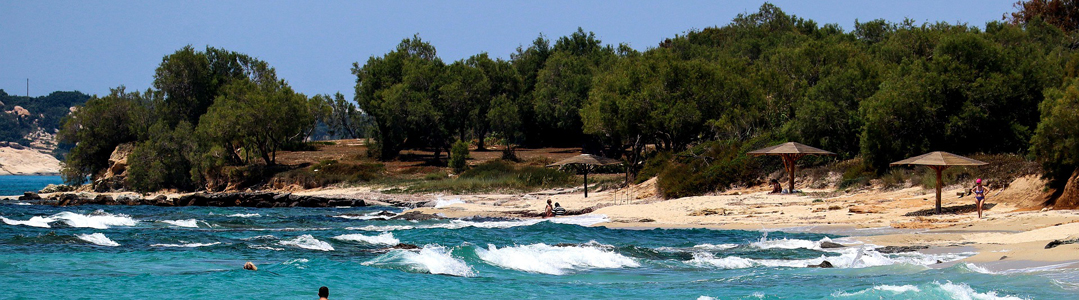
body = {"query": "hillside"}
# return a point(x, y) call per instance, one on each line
point(27, 161)
point(33, 121)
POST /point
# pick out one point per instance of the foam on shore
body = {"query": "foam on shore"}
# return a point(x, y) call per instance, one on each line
point(935, 290)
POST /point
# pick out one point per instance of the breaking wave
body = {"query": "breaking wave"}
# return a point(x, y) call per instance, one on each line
point(431, 259)
point(98, 238)
point(553, 260)
point(386, 238)
point(307, 242)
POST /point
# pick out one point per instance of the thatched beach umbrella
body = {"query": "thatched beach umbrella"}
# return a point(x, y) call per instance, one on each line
point(939, 160)
point(588, 160)
point(790, 152)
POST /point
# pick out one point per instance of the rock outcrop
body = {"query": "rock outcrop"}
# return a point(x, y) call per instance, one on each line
point(23, 161)
point(114, 177)
point(245, 199)
point(1069, 198)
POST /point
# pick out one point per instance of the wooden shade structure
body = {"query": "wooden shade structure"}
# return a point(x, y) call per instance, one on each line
point(938, 161)
point(588, 160)
point(790, 152)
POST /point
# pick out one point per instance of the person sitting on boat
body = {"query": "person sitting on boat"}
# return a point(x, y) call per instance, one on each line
point(558, 210)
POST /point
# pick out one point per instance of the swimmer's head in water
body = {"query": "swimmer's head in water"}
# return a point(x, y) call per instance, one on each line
point(978, 181)
point(250, 266)
point(324, 292)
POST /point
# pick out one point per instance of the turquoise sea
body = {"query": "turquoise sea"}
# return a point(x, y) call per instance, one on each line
point(146, 252)
point(15, 185)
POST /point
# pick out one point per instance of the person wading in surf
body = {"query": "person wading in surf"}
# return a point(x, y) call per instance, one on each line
point(323, 293)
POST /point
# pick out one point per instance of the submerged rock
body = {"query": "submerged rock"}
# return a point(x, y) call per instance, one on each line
point(416, 216)
point(900, 249)
point(823, 264)
point(828, 245)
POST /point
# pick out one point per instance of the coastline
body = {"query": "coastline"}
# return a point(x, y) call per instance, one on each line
point(1010, 237)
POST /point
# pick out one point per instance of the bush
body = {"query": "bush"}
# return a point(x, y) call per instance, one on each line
point(497, 175)
point(329, 172)
point(459, 156)
point(713, 166)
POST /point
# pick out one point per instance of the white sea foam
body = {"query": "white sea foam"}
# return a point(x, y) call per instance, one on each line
point(382, 228)
point(98, 238)
point(895, 290)
point(188, 245)
point(307, 242)
point(36, 221)
point(582, 220)
point(702, 259)
point(784, 243)
point(22, 203)
point(260, 237)
point(705, 298)
point(850, 257)
point(190, 223)
point(245, 215)
point(265, 248)
point(964, 291)
point(976, 268)
point(431, 259)
point(386, 238)
point(439, 203)
point(715, 247)
point(546, 259)
point(97, 220)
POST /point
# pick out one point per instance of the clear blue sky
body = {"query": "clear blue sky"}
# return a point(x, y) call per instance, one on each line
point(91, 46)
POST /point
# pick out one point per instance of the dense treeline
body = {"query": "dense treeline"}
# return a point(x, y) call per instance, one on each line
point(42, 114)
point(210, 117)
point(882, 91)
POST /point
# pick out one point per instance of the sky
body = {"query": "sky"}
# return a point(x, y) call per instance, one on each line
point(93, 46)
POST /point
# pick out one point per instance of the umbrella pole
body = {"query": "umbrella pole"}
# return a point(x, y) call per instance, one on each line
point(939, 169)
point(586, 181)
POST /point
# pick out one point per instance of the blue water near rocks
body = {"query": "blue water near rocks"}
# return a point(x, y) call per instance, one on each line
point(146, 252)
point(12, 185)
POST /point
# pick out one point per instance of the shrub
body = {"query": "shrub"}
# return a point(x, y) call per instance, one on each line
point(459, 156)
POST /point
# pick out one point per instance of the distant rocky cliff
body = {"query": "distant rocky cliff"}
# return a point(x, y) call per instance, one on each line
point(25, 161)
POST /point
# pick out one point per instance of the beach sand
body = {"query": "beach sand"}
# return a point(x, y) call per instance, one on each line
point(1011, 235)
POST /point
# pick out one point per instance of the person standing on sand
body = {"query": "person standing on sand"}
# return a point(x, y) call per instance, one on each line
point(323, 293)
point(979, 191)
point(549, 211)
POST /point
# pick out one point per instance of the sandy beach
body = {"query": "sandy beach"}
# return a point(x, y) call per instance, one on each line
point(1012, 234)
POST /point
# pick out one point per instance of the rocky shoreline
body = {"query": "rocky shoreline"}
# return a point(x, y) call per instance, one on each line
point(233, 199)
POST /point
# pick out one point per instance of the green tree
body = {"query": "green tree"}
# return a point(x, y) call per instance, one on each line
point(260, 118)
point(191, 80)
point(1056, 140)
point(398, 91)
point(96, 129)
point(161, 162)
